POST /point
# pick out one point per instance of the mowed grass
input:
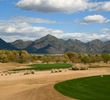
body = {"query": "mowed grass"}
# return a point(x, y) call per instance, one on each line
point(98, 66)
point(45, 67)
point(90, 88)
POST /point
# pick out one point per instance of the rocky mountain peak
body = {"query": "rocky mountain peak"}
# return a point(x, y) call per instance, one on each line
point(51, 44)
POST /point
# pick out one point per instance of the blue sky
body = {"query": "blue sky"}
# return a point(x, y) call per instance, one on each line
point(85, 20)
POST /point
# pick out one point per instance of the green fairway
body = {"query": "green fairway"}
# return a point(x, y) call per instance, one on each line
point(97, 66)
point(45, 67)
point(90, 88)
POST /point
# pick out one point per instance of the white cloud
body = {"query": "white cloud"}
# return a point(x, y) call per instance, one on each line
point(102, 6)
point(21, 28)
point(94, 19)
point(64, 6)
point(85, 37)
point(105, 30)
point(25, 31)
point(11, 30)
point(20, 19)
point(33, 20)
point(48, 6)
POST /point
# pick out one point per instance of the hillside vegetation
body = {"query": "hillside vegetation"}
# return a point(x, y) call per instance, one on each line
point(23, 56)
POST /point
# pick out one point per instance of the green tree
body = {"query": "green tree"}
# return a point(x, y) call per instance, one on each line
point(106, 57)
point(73, 57)
point(4, 58)
point(85, 59)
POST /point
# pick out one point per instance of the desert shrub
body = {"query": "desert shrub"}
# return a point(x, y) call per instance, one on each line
point(76, 67)
point(60, 70)
point(66, 70)
point(56, 70)
point(32, 72)
point(6, 74)
point(1, 74)
point(106, 57)
point(84, 67)
point(79, 67)
point(27, 73)
point(52, 71)
point(9, 73)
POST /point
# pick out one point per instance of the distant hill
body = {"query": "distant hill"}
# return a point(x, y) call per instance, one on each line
point(5, 45)
point(20, 44)
point(47, 44)
point(53, 45)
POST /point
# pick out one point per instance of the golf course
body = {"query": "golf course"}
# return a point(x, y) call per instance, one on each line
point(90, 88)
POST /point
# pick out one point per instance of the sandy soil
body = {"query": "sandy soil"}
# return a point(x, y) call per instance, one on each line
point(40, 86)
point(8, 66)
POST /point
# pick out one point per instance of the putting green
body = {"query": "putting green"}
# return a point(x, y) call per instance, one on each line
point(46, 67)
point(90, 88)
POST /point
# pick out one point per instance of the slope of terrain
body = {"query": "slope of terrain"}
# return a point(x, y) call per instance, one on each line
point(5, 45)
point(53, 45)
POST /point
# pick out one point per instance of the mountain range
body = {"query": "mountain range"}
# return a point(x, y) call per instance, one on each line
point(53, 45)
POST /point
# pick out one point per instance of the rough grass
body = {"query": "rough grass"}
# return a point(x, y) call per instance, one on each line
point(97, 66)
point(45, 67)
point(90, 88)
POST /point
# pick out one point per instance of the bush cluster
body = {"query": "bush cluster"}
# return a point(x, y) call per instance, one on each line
point(79, 67)
point(23, 56)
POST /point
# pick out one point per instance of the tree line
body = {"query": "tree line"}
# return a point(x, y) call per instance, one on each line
point(23, 56)
point(87, 58)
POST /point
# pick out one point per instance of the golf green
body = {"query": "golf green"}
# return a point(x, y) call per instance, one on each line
point(90, 88)
point(45, 66)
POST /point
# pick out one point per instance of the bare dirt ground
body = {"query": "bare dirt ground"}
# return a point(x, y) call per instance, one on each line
point(8, 66)
point(40, 86)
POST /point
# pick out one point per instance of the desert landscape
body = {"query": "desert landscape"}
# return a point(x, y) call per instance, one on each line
point(39, 86)
point(51, 49)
